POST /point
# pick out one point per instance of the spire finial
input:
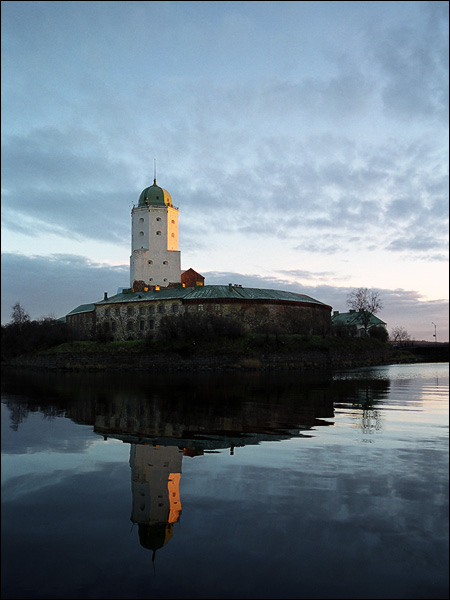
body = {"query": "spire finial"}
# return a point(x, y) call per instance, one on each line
point(154, 171)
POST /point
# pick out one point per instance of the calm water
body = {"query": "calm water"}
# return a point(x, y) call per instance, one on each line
point(226, 485)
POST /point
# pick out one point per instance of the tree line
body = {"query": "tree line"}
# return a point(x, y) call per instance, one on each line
point(23, 335)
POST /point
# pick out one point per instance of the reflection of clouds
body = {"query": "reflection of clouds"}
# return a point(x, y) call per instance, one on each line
point(40, 434)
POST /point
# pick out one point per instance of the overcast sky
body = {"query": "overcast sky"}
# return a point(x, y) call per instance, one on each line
point(305, 144)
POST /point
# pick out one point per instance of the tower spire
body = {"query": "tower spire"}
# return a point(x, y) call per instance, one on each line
point(154, 171)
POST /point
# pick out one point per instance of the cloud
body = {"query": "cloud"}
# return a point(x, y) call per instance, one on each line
point(54, 285)
point(414, 65)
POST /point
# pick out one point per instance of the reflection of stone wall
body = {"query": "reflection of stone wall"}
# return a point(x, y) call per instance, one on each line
point(193, 413)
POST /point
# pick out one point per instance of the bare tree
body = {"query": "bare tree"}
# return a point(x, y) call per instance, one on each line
point(19, 316)
point(366, 302)
point(400, 335)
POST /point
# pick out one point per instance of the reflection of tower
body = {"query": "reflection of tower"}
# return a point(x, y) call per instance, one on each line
point(155, 479)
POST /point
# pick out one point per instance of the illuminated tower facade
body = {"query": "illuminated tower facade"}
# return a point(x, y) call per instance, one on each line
point(155, 258)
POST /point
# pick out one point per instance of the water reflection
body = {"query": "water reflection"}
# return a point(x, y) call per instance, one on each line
point(155, 485)
point(248, 463)
point(165, 419)
point(198, 411)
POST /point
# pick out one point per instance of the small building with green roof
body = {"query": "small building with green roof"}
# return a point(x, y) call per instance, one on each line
point(352, 323)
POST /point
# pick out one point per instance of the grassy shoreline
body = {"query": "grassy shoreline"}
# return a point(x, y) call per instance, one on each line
point(251, 352)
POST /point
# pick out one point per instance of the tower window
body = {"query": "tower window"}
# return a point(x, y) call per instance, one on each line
point(150, 262)
point(158, 218)
point(141, 220)
point(141, 233)
point(158, 233)
point(165, 262)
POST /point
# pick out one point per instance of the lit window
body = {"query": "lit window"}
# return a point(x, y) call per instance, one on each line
point(200, 307)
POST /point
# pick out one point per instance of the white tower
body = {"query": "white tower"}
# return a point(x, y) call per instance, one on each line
point(155, 258)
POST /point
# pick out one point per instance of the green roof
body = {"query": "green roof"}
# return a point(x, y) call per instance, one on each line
point(83, 308)
point(154, 196)
point(210, 292)
point(353, 318)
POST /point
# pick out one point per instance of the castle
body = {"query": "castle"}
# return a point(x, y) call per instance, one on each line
point(159, 288)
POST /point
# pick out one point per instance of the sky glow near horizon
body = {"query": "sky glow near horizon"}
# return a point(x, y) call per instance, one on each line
point(305, 144)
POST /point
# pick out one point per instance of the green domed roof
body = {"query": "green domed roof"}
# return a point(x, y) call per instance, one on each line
point(154, 196)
